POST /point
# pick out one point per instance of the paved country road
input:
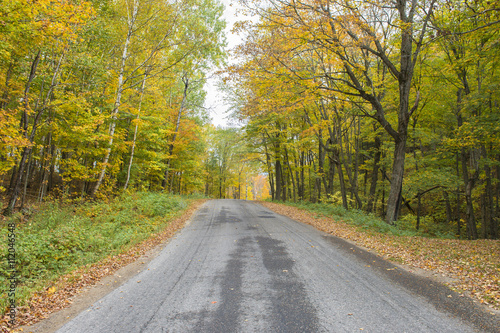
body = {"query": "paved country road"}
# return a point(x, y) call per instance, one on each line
point(238, 267)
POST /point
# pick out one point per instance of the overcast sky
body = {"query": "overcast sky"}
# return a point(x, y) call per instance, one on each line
point(215, 99)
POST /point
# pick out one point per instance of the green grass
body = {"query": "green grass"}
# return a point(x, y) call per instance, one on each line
point(57, 239)
point(370, 222)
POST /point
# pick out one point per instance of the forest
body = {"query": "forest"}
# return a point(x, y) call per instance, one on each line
point(388, 107)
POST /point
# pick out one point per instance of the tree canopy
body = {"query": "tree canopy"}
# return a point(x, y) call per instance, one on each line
point(386, 106)
point(95, 95)
point(391, 107)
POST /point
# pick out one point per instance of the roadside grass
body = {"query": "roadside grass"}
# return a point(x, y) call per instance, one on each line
point(473, 267)
point(60, 238)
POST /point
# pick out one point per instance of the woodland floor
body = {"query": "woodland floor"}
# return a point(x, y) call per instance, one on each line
point(471, 268)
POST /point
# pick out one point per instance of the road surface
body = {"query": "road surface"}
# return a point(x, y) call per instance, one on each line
point(238, 267)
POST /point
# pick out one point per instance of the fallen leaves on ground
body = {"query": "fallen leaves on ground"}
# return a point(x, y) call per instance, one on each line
point(57, 297)
point(473, 266)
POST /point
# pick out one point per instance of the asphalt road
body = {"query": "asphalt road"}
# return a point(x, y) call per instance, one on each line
point(238, 267)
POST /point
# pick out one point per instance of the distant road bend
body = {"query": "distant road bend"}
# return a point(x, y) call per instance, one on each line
point(239, 267)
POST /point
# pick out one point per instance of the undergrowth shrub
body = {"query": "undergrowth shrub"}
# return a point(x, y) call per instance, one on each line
point(60, 238)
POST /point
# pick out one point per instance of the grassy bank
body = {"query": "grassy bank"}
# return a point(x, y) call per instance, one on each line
point(370, 222)
point(55, 239)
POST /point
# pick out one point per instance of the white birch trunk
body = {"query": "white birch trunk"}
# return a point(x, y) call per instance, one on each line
point(119, 91)
point(135, 131)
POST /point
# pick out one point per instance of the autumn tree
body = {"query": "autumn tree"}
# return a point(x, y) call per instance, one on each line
point(362, 35)
point(465, 38)
point(93, 86)
point(337, 96)
point(50, 39)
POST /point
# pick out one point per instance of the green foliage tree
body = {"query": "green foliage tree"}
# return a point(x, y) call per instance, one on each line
point(89, 90)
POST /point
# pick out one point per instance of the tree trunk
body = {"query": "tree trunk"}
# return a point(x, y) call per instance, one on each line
point(270, 175)
point(135, 130)
point(331, 176)
point(449, 214)
point(119, 92)
point(356, 164)
point(17, 179)
point(373, 184)
point(457, 213)
point(469, 185)
point(26, 179)
point(497, 204)
point(17, 183)
point(302, 186)
point(419, 209)
point(394, 200)
point(408, 57)
point(293, 192)
point(278, 180)
point(343, 191)
point(352, 180)
point(382, 205)
point(45, 167)
point(321, 163)
point(185, 80)
point(469, 182)
point(489, 226)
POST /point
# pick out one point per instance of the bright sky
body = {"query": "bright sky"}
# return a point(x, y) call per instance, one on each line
point(215, 99)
